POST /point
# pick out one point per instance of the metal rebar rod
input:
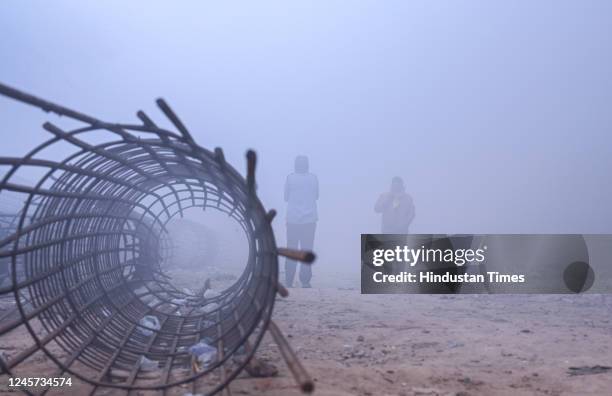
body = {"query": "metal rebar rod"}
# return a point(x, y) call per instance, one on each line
point(302, 377)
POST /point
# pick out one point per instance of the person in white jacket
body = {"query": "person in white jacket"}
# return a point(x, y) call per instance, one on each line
point(301, 195)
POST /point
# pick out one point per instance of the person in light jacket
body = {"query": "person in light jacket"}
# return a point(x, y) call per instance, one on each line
point(301, 195)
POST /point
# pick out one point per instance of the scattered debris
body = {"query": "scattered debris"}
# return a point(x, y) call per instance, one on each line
point(259, 368)
point(587, 370)
point(143, 375)
point(208, 308)
point(208, 323)
point(148, 324)
point(204, 353)
point(426, 391)
point(179, 301)
point(146, 364)
point(208, 294)
point(469, 381)
point(454, 344)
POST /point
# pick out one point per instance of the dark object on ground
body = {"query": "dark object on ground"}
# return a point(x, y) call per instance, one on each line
point(588, 370)
point(260, 368)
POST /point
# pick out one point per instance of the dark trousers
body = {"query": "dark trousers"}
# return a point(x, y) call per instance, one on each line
point(299, 236)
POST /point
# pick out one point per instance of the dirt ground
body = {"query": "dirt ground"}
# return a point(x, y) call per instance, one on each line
point(371, 345)
point(355, 344)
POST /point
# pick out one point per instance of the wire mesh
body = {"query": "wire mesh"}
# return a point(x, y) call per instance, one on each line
point(87, 248)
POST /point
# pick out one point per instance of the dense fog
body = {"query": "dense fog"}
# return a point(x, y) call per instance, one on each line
point(496, 114)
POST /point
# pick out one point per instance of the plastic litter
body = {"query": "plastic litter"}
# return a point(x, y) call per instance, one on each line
point(205, 353)
point(209, 293)
point(148, 323)
point(208, 308)
point(208, 323)
point(179, 301)
point(146, 364)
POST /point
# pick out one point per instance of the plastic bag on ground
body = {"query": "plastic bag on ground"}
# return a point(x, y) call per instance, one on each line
point(146, 364)
point(208, 308)
point(209, 293)
point(148, 324)
point(178, 301)
point(205, 353)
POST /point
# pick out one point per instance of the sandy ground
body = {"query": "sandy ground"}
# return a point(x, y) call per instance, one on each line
point(355, 344)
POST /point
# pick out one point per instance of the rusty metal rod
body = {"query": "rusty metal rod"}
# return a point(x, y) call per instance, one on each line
point(304, 256)
point(282, 290)
point(302, 378)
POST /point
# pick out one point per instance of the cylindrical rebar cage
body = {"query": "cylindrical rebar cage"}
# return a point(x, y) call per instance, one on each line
point(87, 256)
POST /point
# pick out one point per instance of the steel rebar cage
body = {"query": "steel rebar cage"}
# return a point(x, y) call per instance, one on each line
point(88, 246)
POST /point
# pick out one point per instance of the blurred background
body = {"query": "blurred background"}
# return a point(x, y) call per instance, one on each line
point(495, 113)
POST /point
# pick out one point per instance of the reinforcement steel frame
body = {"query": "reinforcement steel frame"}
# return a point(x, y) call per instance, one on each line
point(88, 248)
